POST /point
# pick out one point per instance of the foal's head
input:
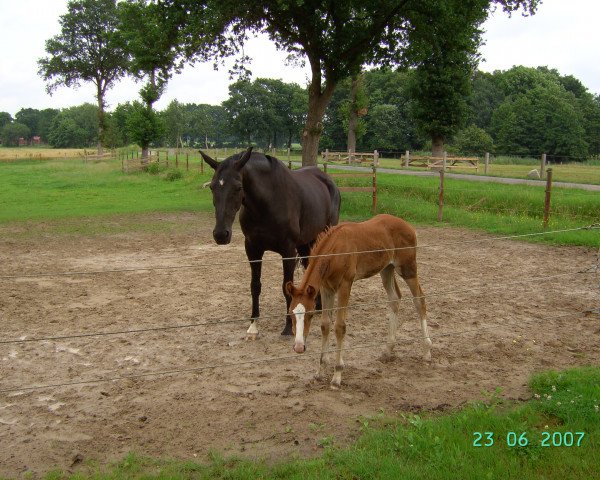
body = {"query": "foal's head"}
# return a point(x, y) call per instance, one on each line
point(302, 309)
point(227, 192)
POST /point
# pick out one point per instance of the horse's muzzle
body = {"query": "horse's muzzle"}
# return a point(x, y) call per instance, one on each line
point(222, 237)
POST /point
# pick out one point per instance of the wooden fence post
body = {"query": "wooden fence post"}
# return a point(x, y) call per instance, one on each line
point(407, 159)
point(289, 156)
point(547, 198)
point(177, 160)
point(376, 158)
point(487, 162)
point(441, 196)
point(187, 161)
point(543, 166)
point(374, 205)
point(325, 166)
point(444, 160)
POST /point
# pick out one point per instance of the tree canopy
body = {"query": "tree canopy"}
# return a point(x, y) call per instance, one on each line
point(89, 48)
point(336, 38)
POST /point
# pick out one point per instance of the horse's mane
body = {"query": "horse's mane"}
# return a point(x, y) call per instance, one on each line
point(322, 237)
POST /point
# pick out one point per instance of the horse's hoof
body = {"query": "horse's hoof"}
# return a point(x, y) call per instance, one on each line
point(251, 336)
point(334, 386)
point(427, 357)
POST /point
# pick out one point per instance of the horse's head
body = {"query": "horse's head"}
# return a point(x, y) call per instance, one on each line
point(227, 192)
point(302, 309)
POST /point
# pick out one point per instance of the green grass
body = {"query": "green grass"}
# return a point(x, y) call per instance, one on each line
point(433, 445)
point(68, 189)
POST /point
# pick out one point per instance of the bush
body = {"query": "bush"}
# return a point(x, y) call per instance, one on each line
point(174, 175)
point(473, 141)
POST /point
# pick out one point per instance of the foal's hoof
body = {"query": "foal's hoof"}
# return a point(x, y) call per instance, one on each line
point(251, 336)
point(334, 386)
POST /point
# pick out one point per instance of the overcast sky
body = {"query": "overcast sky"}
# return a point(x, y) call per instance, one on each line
point(562, 34)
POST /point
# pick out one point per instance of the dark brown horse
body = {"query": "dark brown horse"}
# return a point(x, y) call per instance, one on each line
point(351, 251)
point(281, 210)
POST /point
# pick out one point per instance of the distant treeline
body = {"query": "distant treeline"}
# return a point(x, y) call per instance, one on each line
point(521, 111)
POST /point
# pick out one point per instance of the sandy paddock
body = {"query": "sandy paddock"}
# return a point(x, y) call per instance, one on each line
point(269, 409)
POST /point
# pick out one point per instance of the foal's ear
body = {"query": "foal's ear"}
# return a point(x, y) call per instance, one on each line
point(312, 293)
point(289, 288)
point(239, 164)
point(211, 162)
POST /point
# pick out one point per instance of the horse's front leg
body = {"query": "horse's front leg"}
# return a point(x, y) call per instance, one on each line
point(255, 256)
point(340, 332)
point(328, 300)
point(289, 265)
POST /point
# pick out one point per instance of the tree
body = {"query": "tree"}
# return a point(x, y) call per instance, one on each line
point(74, 127)
point(174, 121)
point(143, 125)
point(337, 38)
point(542, 119)
point(5, 118)
point(88, 49)
point(12, 132)
point(152, 49)
point(473, 141)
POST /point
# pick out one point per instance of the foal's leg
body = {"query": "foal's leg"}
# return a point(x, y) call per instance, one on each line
point(340, 331)
point(415, 288)
point(255, 255)
point(393, 293)
point(328, 300)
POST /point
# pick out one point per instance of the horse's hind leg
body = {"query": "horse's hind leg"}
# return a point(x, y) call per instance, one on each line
point(393, 292)
point(409, 274)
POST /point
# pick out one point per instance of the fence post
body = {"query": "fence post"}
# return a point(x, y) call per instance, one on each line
point(289, 164)
point(289, 156)
point(325, 166)
point(547, 199)
point(441, 196)
point(376, 158)
point(407, 159)
point(374, 205)
point(487, 162)
point(177, 160)
point(543, 166)
point(444, 160)
point(326, 155)
point(187, 161)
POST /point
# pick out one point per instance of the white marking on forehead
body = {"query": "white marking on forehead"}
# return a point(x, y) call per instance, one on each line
point(299, 311)
point(221, 182)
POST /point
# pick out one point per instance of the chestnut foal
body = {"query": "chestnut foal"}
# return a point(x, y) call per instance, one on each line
point(390, 245)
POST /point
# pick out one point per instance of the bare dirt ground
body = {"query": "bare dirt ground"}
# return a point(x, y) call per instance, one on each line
point(270, 409)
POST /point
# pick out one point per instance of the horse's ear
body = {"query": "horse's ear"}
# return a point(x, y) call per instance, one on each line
point(212, 163)
point(243, 159)
point(310, 290)
point(289, 288)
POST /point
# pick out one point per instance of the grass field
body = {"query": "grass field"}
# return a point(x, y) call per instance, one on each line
point(69, 188)
point(553, 436)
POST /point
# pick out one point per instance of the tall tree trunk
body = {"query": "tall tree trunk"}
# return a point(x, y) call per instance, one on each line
point(318, 99)
point(437, 146)
point(101, 117)
point(352, 119)
point(313, 128)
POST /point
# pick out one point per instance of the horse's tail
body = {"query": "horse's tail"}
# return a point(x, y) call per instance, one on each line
point(336, 201)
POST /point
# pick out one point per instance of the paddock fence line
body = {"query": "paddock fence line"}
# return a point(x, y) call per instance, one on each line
point(294, 357)
point(592, 226)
